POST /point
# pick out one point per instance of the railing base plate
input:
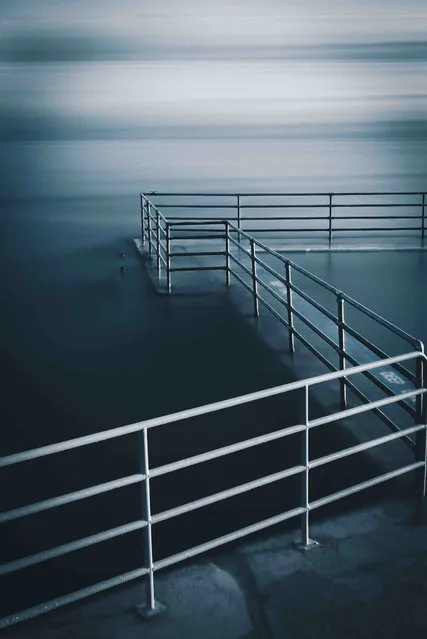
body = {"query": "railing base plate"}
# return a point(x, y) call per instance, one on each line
point(147, 613)
point(312, 543)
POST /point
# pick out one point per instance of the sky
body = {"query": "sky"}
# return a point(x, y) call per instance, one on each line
point(235, 71)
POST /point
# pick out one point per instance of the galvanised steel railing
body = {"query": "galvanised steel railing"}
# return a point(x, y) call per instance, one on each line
point(157, 231)
point(331, 213)
point(331, 328)
point(148, 521)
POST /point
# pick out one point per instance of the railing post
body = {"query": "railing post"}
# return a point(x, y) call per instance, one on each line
point(254, 278)
point(341, 344)
point(142, 221)
point(149, 226)
point(306, 542)
point(423, 212)
point(158, 241)
point(151, 607)
point(227, 253)
point(168, 259)
point(239, 217)
point(290, 308)
point(421, 435)
point(330, 218)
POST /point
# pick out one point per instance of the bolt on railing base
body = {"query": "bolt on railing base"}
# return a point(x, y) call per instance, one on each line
point(312, 544)
point(147, 613)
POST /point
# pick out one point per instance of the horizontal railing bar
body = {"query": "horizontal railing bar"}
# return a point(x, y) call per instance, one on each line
point(77, 595)
point(199, 237)
point(189, 218)
point(61, 500)
point(378, 351)
point(226, 450)
point(346, 452)
point(281, 194)
point(197, 268)
point(196, 206)
point(380, 385)
point(379, 413)
point(357, 410)
point(225, 494)
point(272, 218)
point(219, 541)
point(209, 222)
point(201, 410)
point(375, 228)
point(365, 484)
point(197, 254)
point(373, 205)
point(72, 546)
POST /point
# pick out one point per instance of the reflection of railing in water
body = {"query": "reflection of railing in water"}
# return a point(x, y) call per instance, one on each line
point(147, 474)
point(243, 208)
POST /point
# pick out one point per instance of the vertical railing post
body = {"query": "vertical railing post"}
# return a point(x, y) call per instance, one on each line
point(151, 607)
point(290, 308)
point(423, 215)
point(142, 221)
point(149, 226)
point(168, 259)
point(158, 241)
point(306, 542)
point(330, 218)
point(239, 217)
point(421, 435)
point(254, 278)
point(341, 344)
point(227, 253)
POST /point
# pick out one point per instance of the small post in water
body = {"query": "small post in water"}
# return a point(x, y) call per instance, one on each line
point(151, 607)
point(254, 278)
point(341, 344)
point(290, 309)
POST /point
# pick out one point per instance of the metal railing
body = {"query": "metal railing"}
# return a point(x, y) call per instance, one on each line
point(331, 213)
point(244, 264)
point(148, 520)
point(157, 234)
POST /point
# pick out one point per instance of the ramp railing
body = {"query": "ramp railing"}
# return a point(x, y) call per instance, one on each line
point(150, 518)
point(322, 318)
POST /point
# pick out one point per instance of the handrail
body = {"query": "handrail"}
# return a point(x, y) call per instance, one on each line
point(153, 225)
point(149, 520)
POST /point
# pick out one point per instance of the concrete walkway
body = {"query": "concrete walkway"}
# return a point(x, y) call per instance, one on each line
point(365, 580)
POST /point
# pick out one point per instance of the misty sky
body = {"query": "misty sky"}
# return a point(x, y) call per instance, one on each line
point(193, 69)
